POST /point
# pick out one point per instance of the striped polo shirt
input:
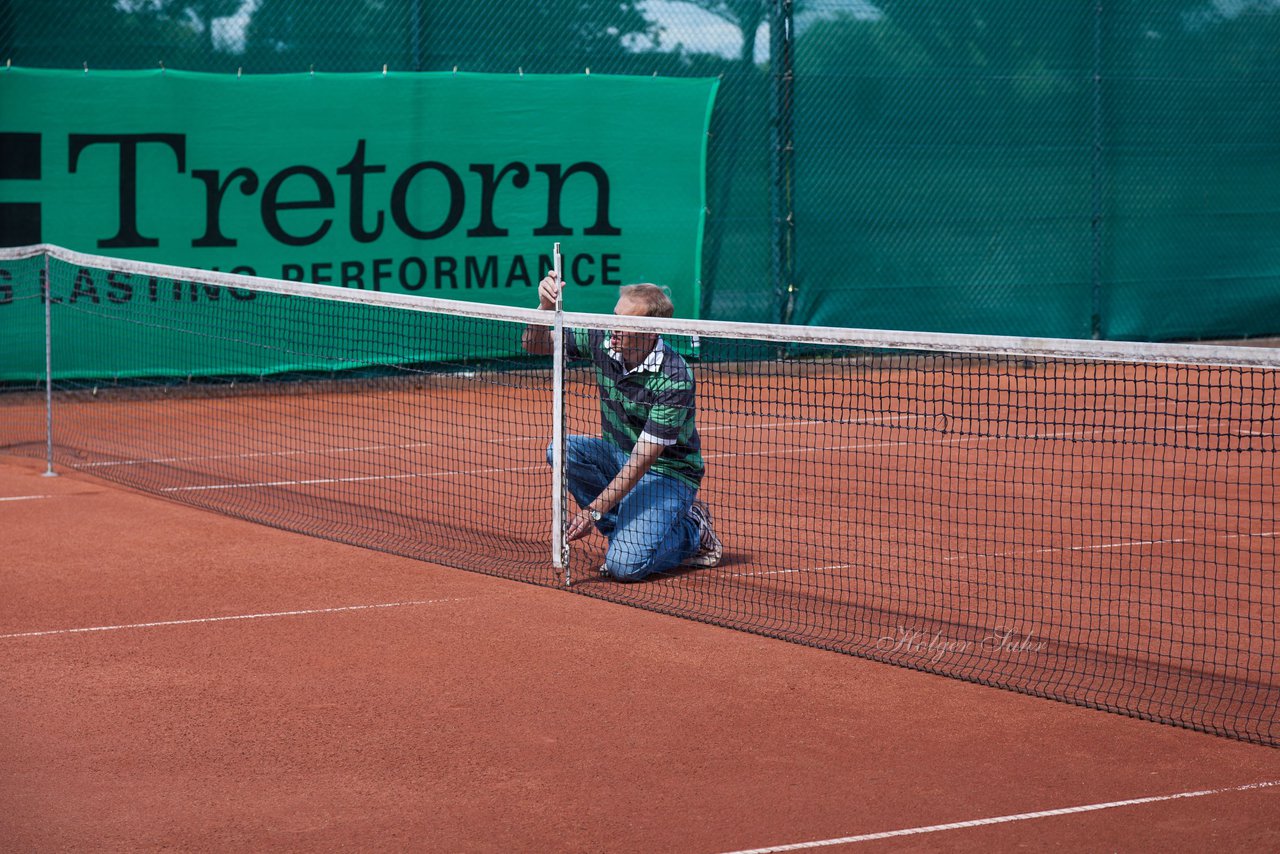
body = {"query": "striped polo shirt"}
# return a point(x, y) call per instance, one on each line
point(653, 401)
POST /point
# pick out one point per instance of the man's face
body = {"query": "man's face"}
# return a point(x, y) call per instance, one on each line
point(632, 346)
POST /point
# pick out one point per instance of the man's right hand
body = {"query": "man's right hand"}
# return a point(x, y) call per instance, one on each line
point(548, 289)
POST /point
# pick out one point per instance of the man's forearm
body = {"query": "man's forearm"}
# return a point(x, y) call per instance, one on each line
point(537, 338)
point(642, 458)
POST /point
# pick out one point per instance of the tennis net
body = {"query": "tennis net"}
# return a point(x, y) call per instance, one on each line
point(1094, 522)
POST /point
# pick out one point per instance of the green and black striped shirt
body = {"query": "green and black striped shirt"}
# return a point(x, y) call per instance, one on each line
point(653, 401)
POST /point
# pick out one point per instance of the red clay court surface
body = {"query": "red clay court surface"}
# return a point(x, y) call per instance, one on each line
point(1138, 540)
point(175, 679)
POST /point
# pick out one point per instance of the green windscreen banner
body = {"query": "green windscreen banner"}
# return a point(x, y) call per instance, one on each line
point(439, 184)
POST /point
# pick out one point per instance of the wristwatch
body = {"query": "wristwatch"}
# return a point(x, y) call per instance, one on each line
point(595, 514)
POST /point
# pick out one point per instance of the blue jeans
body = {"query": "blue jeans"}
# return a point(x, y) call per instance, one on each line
point(649, 530)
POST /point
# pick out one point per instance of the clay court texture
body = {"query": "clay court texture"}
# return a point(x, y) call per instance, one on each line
point(178, 679)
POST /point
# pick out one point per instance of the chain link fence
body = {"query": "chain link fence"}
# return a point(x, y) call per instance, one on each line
point(1106, 169)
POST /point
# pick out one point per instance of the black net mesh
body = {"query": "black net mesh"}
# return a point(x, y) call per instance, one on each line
point(1102, 532)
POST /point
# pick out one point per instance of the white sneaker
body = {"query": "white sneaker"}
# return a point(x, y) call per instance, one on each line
point(710, 549)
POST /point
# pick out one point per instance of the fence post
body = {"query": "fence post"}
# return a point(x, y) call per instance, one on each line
point(782, 160)
point(1096, 178)
point(416, 29)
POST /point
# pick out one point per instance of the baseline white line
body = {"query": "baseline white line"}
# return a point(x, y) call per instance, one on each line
point(231, 618)
point(1003, 819)
point(23, 497)
point(1173, 541)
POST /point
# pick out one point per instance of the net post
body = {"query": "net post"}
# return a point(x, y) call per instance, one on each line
point(47, 293)
point(559, 545)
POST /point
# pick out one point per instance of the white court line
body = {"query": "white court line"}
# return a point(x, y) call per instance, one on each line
point(772, 452)
point(786, 571)
point(714, 428)
point(231, 618)
point(1104, 546)
point(776, 425)
point(253, 455)
point(766, 453)
point(23, 497)
point(861, 446)
point(1004, 819)
point(316, 452)
point(865, 446)
point(875, 419)
point(363, 479)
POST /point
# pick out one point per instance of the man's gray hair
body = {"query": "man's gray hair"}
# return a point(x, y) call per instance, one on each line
point(655, 299)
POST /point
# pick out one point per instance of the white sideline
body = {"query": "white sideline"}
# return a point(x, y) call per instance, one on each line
point(232, 618)
point(23, 497)
point(1004, 819)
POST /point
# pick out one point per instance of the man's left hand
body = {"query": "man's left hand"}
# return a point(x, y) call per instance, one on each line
point(580, 525)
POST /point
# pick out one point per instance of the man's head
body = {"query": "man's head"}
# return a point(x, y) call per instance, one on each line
point(643, 300)
point(646, 300)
